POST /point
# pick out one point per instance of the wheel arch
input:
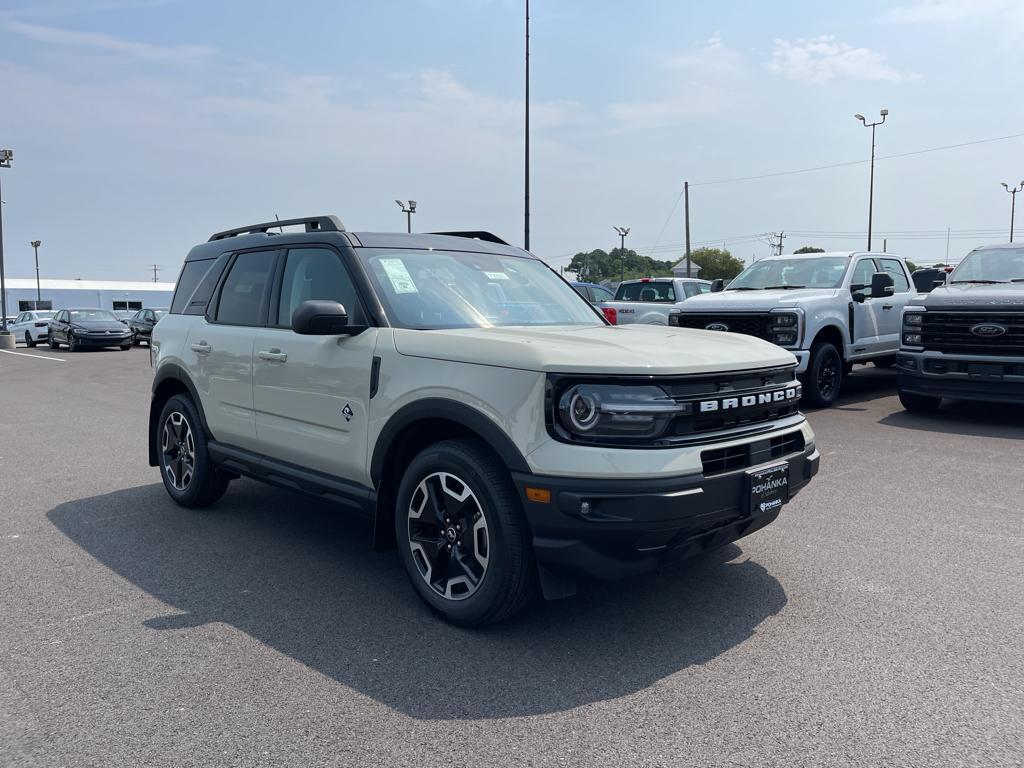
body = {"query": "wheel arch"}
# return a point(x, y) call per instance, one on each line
point(833, 334)
point(170, 380)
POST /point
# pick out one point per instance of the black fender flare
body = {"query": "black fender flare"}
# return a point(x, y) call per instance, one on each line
point(171, 372)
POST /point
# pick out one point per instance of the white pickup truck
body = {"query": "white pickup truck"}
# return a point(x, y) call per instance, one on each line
point(650, 300)
point(831, 310)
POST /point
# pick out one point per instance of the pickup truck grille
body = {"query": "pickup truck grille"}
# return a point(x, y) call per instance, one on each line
point(951, 332)
point(750, 324)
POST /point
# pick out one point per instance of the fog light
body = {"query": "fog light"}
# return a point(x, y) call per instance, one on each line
point(785, 338)
point(584, 508)
point(911, 338)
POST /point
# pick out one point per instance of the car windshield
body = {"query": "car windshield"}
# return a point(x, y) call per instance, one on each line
point(78, 315)
point(825, 272)
point(1001, 265)
point(646, 291)
point(446, 289)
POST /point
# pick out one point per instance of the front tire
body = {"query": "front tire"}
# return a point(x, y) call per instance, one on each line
point(189, 475)
point(125, 347)
point(72, 344)
point(919, 403)
point(53, 343)
point(462, 534)
point(824, 376)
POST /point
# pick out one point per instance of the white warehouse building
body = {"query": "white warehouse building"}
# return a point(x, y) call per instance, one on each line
point(103, 294)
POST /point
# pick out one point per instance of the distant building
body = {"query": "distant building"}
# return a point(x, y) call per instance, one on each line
point(103, 294)
point(679, 269)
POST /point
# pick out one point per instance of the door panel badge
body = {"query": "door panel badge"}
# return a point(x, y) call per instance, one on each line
point(347, 412)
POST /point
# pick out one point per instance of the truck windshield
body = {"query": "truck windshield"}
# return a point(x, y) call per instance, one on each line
point(453, 289)
point(650, 291)
point(825, 272)
point(1001, 265)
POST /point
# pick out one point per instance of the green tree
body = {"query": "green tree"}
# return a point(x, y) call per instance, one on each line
point(716, 263)
point(912, 266)
point(597, 265)
point(809, 249)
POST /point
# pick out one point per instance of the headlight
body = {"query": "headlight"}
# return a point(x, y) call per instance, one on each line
point(783, 328)
point(913, 318)
point(603, 411)
point(784, 319)
point(912, 338)
point(784, 338)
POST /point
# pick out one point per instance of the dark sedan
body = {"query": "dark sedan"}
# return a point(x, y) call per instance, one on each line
point(78, 328)
point(142, 323)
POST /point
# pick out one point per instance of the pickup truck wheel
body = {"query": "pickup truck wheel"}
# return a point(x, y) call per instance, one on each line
point(189, 476)
point(824, 376)
point(462, 534)
point(919, 403)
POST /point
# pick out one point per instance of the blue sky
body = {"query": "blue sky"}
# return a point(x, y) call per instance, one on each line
point(141, 127)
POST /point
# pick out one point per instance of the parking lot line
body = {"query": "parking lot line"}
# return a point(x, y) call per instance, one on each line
point(29, 354)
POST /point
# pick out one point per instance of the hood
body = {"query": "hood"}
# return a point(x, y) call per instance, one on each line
point(98, 325)
point(968, 295)
point(608, 350)
point(757, 300)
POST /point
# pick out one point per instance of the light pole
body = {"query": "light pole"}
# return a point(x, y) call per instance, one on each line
point(35, 247)
point(408, 209)
point(871, 188)
point(6, 156)
point(623, 231)
point(1013, 202)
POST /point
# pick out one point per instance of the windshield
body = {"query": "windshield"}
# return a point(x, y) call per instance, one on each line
point(446, 289)
point(1001, 265)
point(792, 273)
point(646, 291)
point(77, 315)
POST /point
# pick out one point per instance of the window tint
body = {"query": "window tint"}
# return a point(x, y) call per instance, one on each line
point(895, 268)
point(603, 294)
point(201, 296)
point(316, 273)
point(244, 292)
point(862, 272)
point(20, 318)
point(651, 291)
point(188, 281)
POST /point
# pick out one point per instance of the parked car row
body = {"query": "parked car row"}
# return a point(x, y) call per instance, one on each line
point(87, 327)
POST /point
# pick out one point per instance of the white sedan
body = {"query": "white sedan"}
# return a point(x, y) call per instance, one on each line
point(31, 327)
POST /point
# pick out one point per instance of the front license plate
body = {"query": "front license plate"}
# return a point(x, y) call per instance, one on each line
point(769, 488)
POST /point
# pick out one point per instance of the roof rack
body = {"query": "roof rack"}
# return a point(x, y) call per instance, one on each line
point(487, 236)
point(312, 224)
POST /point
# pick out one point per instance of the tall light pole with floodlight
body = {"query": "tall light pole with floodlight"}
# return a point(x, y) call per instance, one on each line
point(871, 187)
point(408, 209)
point(35, 247)
point(6, 157)
point(1013, 202)
point(623, 231)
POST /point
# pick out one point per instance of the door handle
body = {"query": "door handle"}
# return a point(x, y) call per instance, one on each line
point(273, 355)
point(887, 306)
point(202, 348)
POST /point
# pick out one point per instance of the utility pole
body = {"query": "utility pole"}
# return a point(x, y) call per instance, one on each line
point(776, 246)
point(885, 245)
point(408, 209)
point(6, 156)
point(526, 146)
point(1013, 203)
point(871, 186)
point(686, 219)
point(623, 231)
point(156, 268)
point(947, 246)
point(35, 247)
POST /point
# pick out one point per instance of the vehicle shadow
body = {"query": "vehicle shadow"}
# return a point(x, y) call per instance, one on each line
point(866, 383)
point(298, 575)
point(964, 418)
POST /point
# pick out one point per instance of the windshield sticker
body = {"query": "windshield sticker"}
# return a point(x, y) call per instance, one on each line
point(399, 276)
point(497, 276)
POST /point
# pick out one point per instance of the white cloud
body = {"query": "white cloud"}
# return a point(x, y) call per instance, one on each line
point(819, 60)
point(97, 41)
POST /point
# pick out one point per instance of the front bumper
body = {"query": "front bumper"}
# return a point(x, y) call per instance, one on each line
point(987, 378)
point(104, 340)
point(803, 356)
point(635, 526)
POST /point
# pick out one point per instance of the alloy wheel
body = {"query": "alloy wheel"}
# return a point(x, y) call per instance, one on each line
point(828, 375)
point(178, 450)
point(448, 536)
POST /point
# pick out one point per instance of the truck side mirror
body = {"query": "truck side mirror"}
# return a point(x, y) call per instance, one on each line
point(323, 318)
point(882, 285)
point(717, 285)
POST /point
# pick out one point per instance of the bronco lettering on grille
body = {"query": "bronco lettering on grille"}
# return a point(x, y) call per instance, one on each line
point(750, 401)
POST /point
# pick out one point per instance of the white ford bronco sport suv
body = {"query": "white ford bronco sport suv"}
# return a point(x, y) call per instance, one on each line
point(495, 426)
point(831, 310)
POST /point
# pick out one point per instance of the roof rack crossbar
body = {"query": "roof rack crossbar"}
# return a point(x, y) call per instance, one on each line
point(328, 223)
point(487, 236)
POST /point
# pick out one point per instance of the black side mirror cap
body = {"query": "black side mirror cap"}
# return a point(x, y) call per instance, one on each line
point(717, 285)
point(882, 285)
point(323, 318)
point(858, 297)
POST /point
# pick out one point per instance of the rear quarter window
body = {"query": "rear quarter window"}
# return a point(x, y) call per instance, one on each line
point(662, 291)
point(196, 285)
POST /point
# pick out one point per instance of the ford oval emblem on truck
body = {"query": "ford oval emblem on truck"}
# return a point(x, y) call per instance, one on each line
point(716, 327)
point(988, 329)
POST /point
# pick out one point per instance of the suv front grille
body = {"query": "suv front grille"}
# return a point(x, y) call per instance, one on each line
point(717, 461)
point(749, 324)
point(951, 332)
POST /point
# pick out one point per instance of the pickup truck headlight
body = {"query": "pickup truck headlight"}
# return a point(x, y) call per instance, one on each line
point(913, 318)
point(609, 411)
point(784, 328)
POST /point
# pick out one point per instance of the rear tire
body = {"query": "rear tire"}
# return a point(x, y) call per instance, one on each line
point(919, 403)
point(462, 534)
point(28, 340)
point(824, 377)
point(189, 475)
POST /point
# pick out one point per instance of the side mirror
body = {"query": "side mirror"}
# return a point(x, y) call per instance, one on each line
point(857, 296)
point(323, 318)
point(717, 285)
point(882, 285)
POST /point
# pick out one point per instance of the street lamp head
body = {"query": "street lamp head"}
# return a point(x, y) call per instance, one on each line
point(400, 204)
point(6, 156)
point(36, 243)
point(412, 206)
point(884, 112)
point(1005, 185)
point(860, 117)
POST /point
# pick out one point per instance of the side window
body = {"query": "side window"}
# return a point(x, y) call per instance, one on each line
point(188, 280)
point(244, 293)
point(862, 272)
point(899, 277)
point(603, 294)
point(703, 288)
point(316, 273)
point(20, 318)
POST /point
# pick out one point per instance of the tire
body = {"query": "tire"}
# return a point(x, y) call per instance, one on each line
point(28, 340)
point(180, 435)
point(52, 342)
point(72, 344)
point(135, 340)
point(919, 403)
point(885, 362)
point(125, 347)
point(486, 536)
point(824, 377)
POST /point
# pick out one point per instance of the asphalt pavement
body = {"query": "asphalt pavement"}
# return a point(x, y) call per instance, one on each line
point(877, 622)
